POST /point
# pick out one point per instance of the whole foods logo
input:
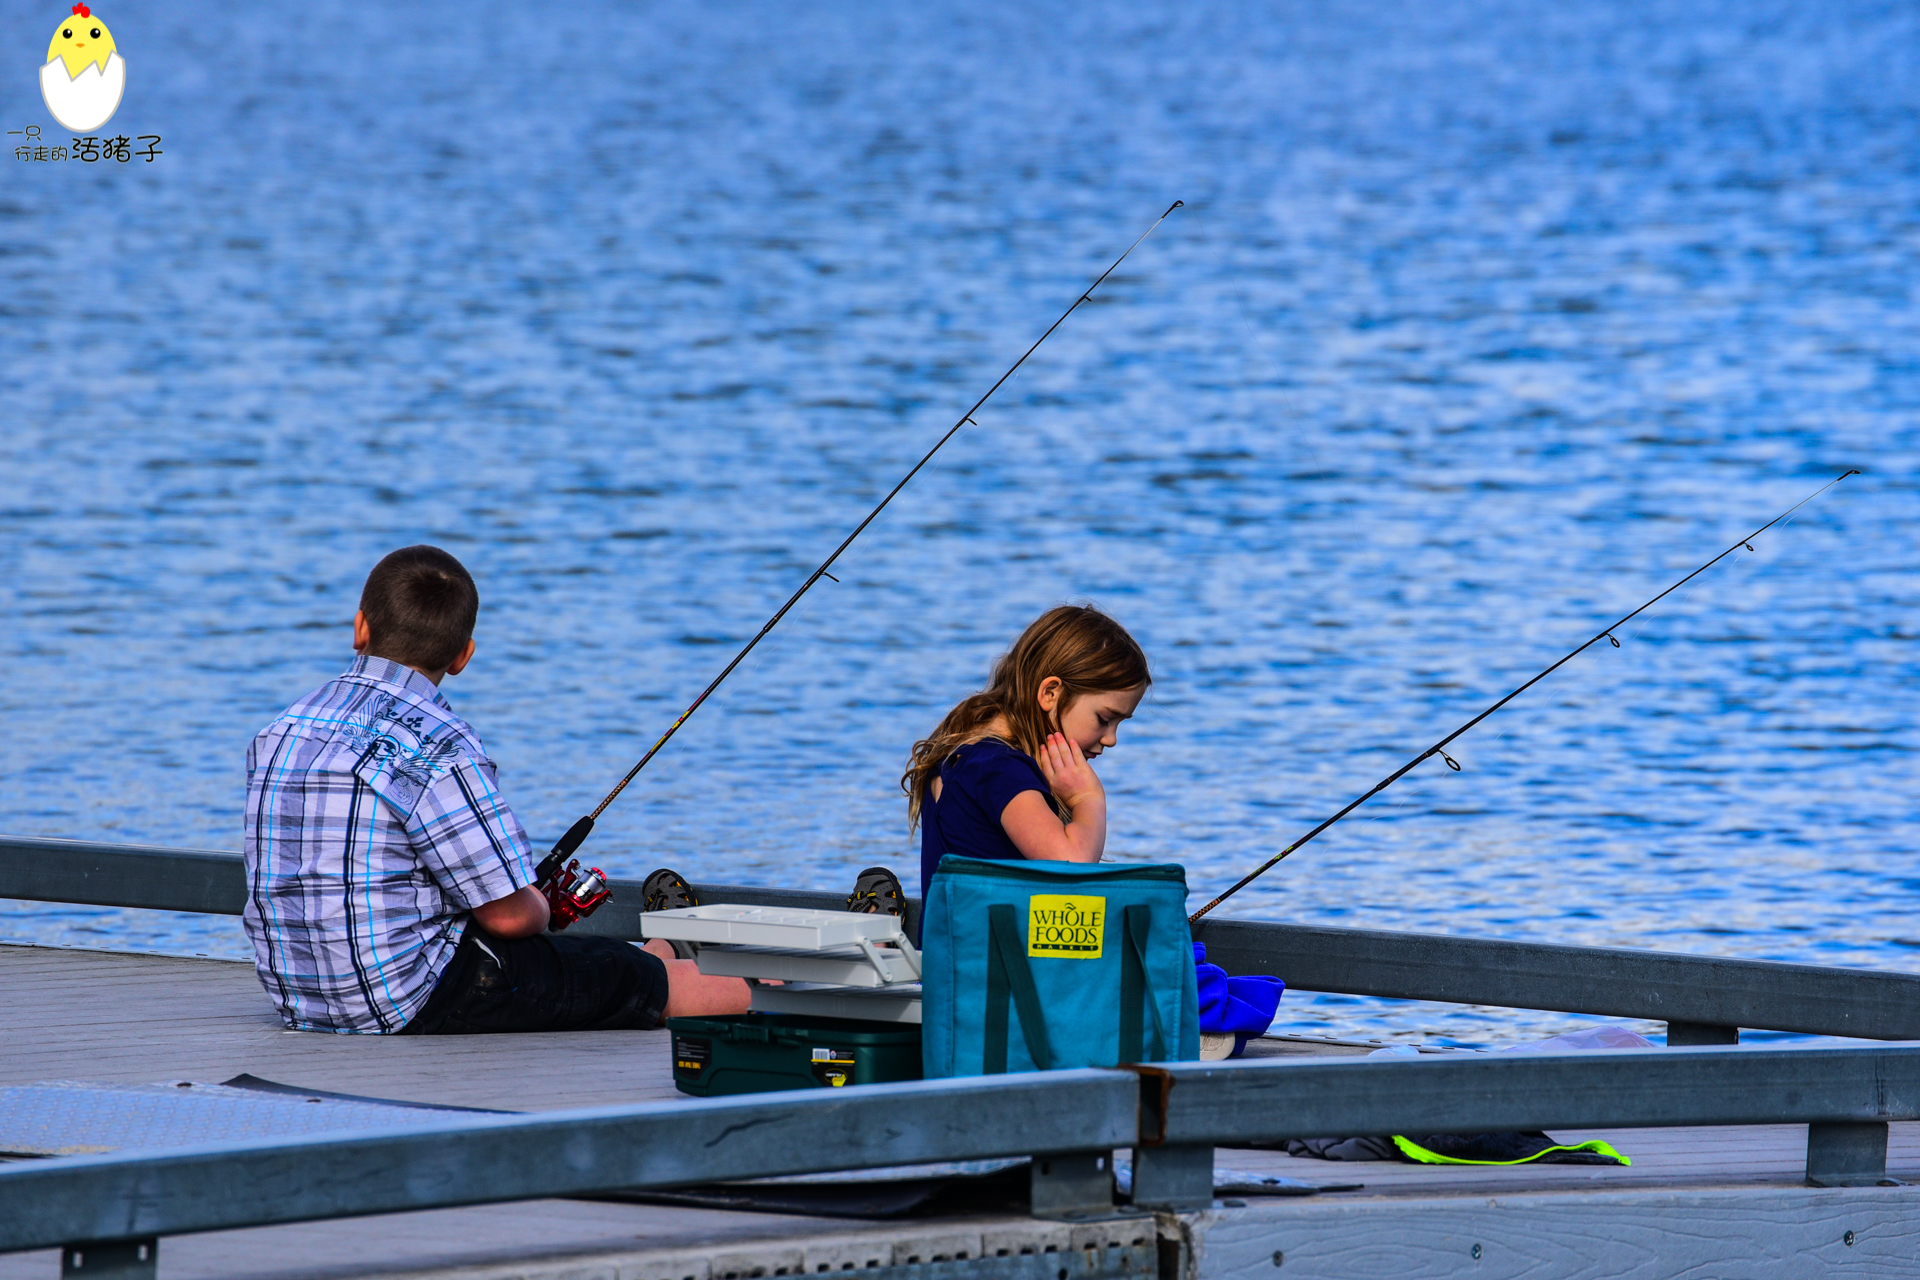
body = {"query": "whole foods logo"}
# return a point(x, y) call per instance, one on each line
point(84, 74)
point(1066, 927)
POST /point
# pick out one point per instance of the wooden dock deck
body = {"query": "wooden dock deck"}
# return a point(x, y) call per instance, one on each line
point(134, 1019)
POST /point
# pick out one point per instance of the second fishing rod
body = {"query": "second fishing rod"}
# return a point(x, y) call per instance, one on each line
point(1440, 748)
point(573, 893)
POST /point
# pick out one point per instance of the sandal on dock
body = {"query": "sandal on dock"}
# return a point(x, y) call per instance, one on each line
point(665, 890)
point(878, 892)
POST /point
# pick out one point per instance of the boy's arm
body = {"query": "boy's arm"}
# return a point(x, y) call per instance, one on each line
point(520, 914)
point(475, 849)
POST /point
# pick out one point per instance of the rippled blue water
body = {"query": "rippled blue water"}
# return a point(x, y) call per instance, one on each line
point(1484, 321)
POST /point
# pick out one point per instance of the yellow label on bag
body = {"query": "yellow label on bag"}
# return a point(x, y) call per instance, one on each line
point(1066, 928)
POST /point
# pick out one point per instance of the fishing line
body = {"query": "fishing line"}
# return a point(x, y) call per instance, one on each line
point(553, 863)
point(1539, 717)
point(1439, 748)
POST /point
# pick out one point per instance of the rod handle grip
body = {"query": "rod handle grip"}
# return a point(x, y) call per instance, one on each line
point(562, 850)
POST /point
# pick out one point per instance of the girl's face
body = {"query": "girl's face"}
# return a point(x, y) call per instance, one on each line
point(1092, 719)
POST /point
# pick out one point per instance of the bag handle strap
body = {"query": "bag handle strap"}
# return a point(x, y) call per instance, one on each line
point(1008, 977)
point(1137, 921)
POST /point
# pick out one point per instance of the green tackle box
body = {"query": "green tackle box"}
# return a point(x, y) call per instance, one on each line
point(759, 1052)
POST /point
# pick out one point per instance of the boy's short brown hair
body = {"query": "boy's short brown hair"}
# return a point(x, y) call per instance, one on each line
point(421, 605)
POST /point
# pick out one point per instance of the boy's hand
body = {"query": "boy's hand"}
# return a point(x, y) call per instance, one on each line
point(1068, 773)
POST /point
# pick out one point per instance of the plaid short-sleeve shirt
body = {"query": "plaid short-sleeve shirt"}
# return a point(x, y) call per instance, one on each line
point(374, 825)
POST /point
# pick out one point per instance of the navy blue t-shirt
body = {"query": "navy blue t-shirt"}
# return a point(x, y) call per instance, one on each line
point(977, 782)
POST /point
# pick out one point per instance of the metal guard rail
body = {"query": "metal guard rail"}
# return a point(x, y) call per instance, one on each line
point(1703, 999)
point(1172, 1116)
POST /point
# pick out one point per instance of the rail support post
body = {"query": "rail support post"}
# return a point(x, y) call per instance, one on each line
point(1682, 1033)
point(1847, 1153)
point(1173, 1178)
point(1077, 1185)
point(112, 1259)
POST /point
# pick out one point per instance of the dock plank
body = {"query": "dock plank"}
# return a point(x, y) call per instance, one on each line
point(1770, 1234)
point(130, 1019)
point(1719, 1156)
point(539, 1240)
point(120, 1018)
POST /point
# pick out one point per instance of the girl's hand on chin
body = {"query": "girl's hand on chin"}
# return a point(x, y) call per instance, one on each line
point(1068, 772)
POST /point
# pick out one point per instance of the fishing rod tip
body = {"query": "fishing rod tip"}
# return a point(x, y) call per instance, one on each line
point(1852, 472)
point(1177, 204)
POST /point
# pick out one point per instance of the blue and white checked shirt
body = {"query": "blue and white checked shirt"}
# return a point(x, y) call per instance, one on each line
point(374, 826)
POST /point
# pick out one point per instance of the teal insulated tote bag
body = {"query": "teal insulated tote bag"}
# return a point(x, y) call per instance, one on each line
point(1034, 966)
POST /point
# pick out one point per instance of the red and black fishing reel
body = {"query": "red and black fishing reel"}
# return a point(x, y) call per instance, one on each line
point(573, 894)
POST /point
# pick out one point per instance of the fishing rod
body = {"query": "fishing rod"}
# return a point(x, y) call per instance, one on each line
point(1439, 748)
point(573, 894)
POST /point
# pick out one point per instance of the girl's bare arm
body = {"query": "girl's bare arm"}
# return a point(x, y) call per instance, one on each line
point(1031, 823)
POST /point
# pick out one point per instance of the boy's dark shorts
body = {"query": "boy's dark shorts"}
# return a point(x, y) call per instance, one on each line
point(549, 982)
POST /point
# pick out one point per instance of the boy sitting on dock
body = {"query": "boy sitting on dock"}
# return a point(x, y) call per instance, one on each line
point(389, 885)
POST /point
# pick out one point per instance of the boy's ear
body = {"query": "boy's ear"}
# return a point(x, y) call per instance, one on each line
point(362, 633)
point(459, 664)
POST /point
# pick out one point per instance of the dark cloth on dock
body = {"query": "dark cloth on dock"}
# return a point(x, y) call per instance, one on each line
point(977, 783)
point(549, 982)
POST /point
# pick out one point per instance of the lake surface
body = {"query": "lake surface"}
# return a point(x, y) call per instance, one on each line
point(1483, 323)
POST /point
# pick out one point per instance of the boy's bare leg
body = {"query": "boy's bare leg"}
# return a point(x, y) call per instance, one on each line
point(693, 994)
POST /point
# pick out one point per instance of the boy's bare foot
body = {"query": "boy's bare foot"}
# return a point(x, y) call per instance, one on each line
point(693, 994)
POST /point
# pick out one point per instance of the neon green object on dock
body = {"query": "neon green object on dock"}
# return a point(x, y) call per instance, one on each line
point(1414, 1151)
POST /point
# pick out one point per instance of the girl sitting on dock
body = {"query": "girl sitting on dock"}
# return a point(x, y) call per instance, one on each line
point(1006, 773)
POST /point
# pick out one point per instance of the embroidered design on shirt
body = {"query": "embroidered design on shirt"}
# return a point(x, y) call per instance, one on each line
point(399, 756)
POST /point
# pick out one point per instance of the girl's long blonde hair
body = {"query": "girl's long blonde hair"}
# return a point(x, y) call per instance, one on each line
point(1087, 650)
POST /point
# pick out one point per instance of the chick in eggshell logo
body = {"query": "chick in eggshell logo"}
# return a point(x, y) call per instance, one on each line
point(84, 75)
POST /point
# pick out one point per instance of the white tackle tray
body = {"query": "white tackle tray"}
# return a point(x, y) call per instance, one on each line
point(840, 966)
point(843, 950)
point(788, 928)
